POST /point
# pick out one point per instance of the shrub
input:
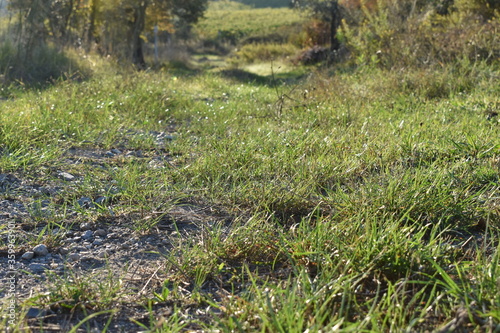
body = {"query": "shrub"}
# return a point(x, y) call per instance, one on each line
point(313, 55)
point(394, 37)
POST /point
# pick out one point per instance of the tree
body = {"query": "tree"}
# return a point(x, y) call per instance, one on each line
point(143, 13)
point(118, 25)
point(326, 10)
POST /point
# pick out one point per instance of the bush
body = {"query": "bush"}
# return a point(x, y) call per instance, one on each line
point(313, 55)
point(316, 33)
point(394, 37)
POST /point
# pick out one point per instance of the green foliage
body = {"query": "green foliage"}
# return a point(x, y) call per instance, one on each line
point(486, 9)
point(395, 37)
point(116, 27)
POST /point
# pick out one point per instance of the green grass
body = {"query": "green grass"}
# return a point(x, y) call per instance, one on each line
point(263, 52)
point(235, 23)
point(356, 202)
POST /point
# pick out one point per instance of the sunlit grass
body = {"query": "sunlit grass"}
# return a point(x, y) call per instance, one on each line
point(248, 22)
point(356, 202)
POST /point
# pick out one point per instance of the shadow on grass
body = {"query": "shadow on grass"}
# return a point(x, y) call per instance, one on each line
point(243, 76)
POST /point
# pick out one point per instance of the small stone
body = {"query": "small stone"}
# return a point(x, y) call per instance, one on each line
point(37, 268)
point(40, 250)
point(28, 255)
point(97, 242)
point(36, 313)
point(85, 226)
point(63, 251)
point(87, 258)
point(102, 254)
point(101, 200)
point(100, 232)
point(109, 154)
point(87, 235)
point(85, 202)
point(66, 176)
point(74, 257)
point(137, 153)
point(116, 151)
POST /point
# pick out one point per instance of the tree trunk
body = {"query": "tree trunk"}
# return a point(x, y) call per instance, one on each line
point(136, 42)
point(91, 34)
point(334, 24)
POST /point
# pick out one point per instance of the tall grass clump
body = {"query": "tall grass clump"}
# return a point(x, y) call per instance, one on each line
point(39, 65)
point(417, 34)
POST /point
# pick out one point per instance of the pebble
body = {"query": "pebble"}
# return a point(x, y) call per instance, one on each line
point(66, 176)
point(37, 268)
point(74, 257)
point(28, 255)
point(100, 232)
point(116, 151)
point(97, 242)
point(37, 313)
point(136, 153)
point(101, 200)
point(40, 250)
point(85, 202)
point(87, 235)
point(85, 226)
point(102, 254)
point(75, 239)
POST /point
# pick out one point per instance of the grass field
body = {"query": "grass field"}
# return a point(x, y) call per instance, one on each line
point(344, 198)
point(237, 20)
point(354, 201)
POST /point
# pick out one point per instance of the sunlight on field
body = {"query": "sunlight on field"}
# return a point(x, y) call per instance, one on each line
point(240, 186)
point(268, 68)
point(248, 21)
